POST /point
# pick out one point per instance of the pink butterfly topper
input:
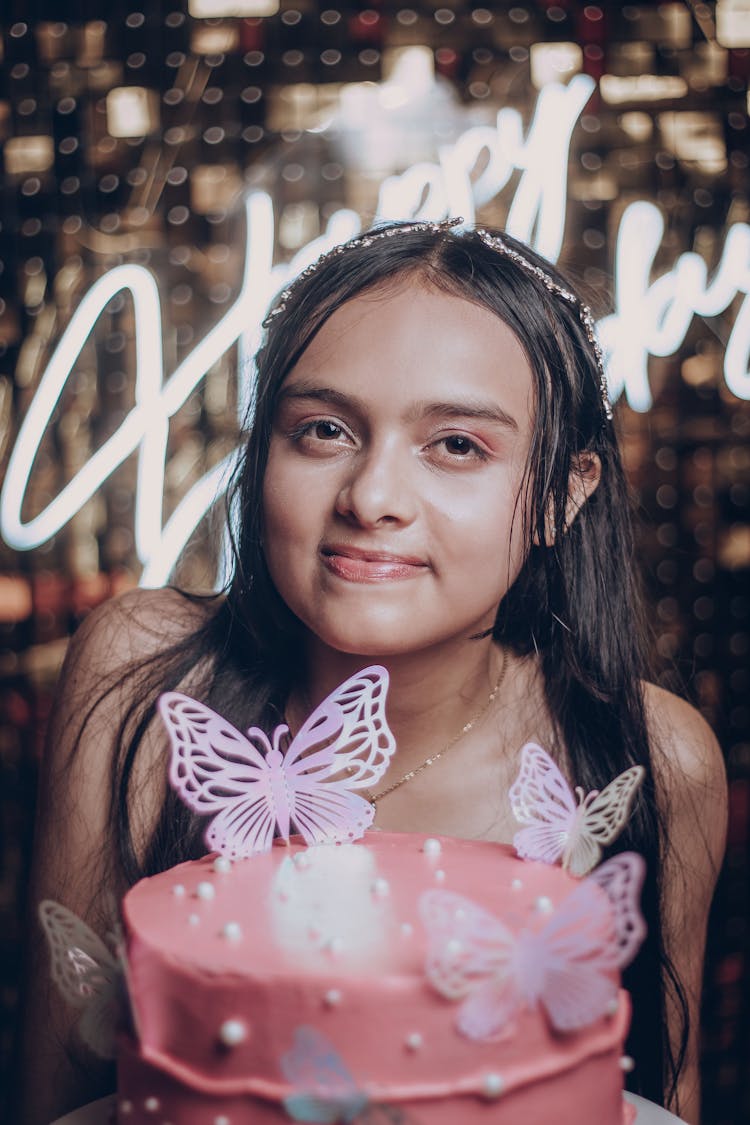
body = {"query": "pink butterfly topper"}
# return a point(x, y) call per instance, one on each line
point(88, 974)
point(569, 964)
point(255, 790)
point(558, 826)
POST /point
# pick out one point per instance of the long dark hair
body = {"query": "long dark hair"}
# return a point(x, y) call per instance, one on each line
point(576, 604)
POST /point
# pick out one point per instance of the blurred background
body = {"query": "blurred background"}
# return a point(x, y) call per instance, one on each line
point(165, 166)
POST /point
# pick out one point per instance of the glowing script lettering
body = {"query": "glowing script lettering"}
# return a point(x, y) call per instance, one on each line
point(452, 187)
point(653, 318)
point(145, 427)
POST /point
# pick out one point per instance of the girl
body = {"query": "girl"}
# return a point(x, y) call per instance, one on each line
point(430, 481)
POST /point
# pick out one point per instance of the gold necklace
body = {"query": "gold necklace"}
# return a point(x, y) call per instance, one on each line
point(373, 798)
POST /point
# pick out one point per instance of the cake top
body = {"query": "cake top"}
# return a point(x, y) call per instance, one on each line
point(405, 905)
point(346, 910)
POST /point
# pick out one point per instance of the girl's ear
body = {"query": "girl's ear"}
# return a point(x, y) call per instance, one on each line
point(585, 474)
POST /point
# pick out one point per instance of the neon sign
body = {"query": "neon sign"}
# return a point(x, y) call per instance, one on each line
point(648, 318)
point(653, 319)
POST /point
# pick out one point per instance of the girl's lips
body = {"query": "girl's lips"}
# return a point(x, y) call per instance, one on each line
point(361, 567)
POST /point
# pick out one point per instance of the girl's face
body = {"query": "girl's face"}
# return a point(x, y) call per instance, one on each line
point(392, 496)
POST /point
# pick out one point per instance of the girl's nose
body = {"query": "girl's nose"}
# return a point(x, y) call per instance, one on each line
point(378, 488)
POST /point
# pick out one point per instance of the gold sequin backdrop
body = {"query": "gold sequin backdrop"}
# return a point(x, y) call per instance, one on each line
point(130, 134)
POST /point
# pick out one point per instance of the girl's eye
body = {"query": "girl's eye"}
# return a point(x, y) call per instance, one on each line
point(457, 444)
point(317, 432)
point(459, 447)
point(326, 431)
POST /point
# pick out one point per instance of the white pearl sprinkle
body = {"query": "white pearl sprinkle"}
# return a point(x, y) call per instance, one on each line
point(151, 1105)
point(222, 864)
point(222, 1119)
point(493, 1085)
point(453, 947)
point(178, 890)
point(380, 888)
point(332, 998)
point(544, 904)
point(233, 1032)
point(334, 946)
point(439, 875)
point(125, 1107)
point(407, 929)
point(516, 885)
point(205, 891)
point(232, 931)
point(612, 1007)
point(414, 1041)
point(432, 847)
point(193, 919)
point(627, 1064)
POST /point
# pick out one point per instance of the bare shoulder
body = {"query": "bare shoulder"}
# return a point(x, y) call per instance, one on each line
point(690, 769)
point(681, 739)
point(111, 671)
point(135, 626)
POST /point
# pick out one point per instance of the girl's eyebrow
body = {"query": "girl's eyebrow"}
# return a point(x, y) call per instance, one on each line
point(477, 409)
point(466, 408)
point(320, 394)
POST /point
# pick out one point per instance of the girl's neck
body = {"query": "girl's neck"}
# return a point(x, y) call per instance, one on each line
point(431, 694)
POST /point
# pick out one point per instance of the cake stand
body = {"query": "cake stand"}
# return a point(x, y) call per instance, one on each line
point(101, 1112)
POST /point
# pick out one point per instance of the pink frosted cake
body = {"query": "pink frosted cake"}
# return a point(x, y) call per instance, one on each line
point(350, 983)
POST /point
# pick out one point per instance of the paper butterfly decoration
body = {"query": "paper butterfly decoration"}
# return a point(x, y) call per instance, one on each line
point(558, 827)
point(323, 1090)
point(568, 965)
point(255, 790)
point(88, 975)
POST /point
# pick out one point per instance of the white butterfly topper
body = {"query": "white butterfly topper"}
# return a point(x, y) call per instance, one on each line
point(568, 964)
point(254, 789)
point(87, 973)
point(558, 827)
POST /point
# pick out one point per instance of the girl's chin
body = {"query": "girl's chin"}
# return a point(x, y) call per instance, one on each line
point(372, 646)
point(394, 641)
point(363, 641)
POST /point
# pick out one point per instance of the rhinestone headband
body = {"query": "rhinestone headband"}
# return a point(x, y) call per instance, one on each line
point(495, 242)
point(354, 244)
